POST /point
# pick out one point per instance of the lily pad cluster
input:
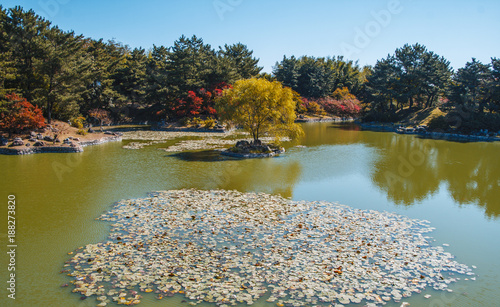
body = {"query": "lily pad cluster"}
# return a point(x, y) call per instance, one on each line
point(230, 248)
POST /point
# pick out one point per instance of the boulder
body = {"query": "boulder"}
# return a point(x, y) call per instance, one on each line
point(32, 139)
point(39, 143)
point(39, 136)
point(3, 142)
point(17, 142)
point(28, 144)
point(33, 134)
point(57, 141)
point(48, 138)
point(242, 144)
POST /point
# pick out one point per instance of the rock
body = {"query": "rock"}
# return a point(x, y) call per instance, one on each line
point(57, 141)
point(17, 142)
point(67, 141)
point(242, 144)
point(4, 142)
point(39, 136)
point(32, 139)
point(76, 139)
point(39, 143)
point(48, 138)
point(109, 132)
point(28, 145)
point(90, 130)
point(33, 134)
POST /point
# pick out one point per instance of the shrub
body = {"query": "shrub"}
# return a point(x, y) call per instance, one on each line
point(313, 107)
point(185, 121)
point(209, 123)
point(78, 122)
point(196, 121)
point(81, 132)
point(20, 115)
point(438, 123)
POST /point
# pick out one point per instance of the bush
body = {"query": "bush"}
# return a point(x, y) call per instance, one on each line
point(197, 121)
point(78, 122)
point(81, 132)
point(185, 121)
point(209, 123)
point(19, 115)
point(313, 107)
point(440, 123)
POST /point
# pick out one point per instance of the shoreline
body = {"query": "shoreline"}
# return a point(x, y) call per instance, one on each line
point(322, 119)
point(431, 135)
point(252, 155)
point(23, 150)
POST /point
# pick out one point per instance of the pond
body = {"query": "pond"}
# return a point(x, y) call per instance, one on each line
point(456, 186)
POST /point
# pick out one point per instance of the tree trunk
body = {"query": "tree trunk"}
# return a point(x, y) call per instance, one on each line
point(49, 112)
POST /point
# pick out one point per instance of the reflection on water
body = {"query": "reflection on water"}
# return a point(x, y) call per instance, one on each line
point(59, 195)
point(410, 169)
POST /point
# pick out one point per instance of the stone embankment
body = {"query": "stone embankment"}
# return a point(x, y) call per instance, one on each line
point(421, 131)
point(72, 147)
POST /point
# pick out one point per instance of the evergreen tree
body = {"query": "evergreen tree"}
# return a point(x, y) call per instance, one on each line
point(470, 84)
point(240, 58)
point(26, 33)
point(157, 84)
point(7, 71)
point(189, 65)
point(104, 60)
point(130, 78)
point(63, 74)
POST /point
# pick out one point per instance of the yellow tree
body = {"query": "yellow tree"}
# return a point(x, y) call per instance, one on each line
point(260, 107)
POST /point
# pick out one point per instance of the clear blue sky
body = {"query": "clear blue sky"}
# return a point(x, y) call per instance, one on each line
point(360, 30)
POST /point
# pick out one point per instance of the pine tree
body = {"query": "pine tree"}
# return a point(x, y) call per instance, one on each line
point(240, 58)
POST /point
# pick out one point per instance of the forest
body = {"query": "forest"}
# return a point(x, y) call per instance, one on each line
point(66, 76)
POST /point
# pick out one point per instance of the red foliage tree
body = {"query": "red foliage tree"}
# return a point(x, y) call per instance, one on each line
point(201, 102)
point(20, 115)
point(342, 103)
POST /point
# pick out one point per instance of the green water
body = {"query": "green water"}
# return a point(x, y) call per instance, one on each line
point(454, 185)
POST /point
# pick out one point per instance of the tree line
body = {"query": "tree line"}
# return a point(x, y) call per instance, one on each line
point(68, 75)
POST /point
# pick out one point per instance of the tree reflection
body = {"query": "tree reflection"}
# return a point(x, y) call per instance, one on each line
point(269, 175)
point(411, 169)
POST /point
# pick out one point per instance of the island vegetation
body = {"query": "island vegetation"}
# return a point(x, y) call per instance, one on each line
point(85, 81)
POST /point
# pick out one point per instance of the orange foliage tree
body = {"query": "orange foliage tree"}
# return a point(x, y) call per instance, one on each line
point(20, 115)
point(101, 115)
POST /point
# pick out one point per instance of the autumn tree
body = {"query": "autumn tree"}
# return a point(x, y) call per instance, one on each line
point(18, 115)
point(101, 115)
point(260, 107)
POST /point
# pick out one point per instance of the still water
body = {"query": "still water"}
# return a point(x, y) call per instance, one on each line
point(454, 185)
